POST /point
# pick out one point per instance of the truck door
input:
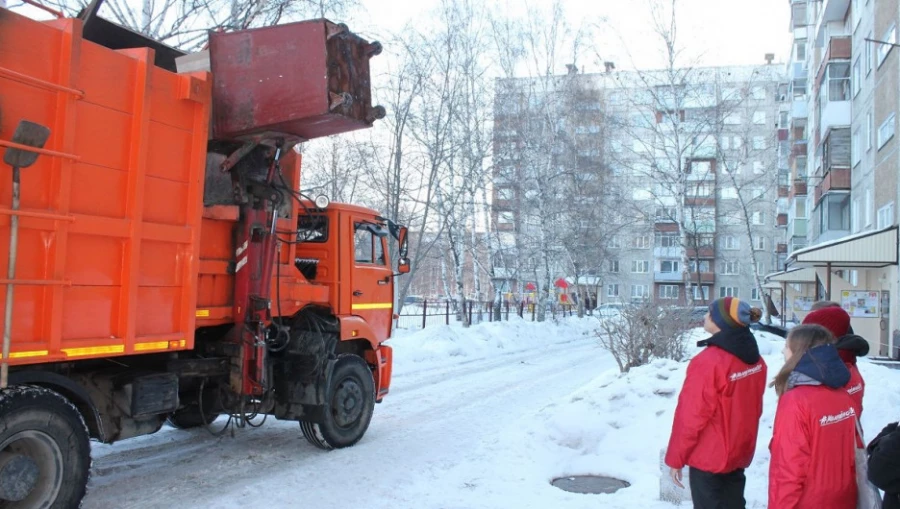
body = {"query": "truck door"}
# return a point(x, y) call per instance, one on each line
point(373, 278)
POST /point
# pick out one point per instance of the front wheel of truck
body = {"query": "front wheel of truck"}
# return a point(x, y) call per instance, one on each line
point(349, 404)
point(45, 452)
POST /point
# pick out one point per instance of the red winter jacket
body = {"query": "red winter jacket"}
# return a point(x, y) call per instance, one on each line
point(813, 445)
point(856, 388)
point(717, 417)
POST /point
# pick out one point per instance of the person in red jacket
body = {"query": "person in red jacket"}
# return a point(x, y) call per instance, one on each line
point(717, 417)
point(813, 444)
point(849, 346)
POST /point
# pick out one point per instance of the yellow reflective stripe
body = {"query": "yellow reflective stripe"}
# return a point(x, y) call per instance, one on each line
point(377, 305)
point(32, 353)
point(202, 313)
point(182, 343)
point(93, 350)
point(153, 345)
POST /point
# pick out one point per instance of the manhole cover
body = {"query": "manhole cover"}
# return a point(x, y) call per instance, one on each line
point(589, 484)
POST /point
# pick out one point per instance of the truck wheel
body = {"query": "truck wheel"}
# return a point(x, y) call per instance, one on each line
point(45, 451)
point(349, 403)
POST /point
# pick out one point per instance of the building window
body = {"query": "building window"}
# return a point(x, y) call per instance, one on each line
point(612, 290)
point(784, 119)
point(854, 277)
point(855, 148)
point(857, 77)
point(641, 242)
point(730, 242)
point(758, 168)
point(667, 240)
point(761, 268)
point(759, 243)
point(838, 79)
point(729, 268)
point(668, 267)
point(640, 266)
point(505, 193)
point(754, 293)
point(883, 50)
point(728, 291)
point(699, 266)
point(700, 293)
point(869, 56)
point(759, 142)
point(758, 93)
point(758, 218)
point(869, 205)
point(885, 216)
point(666, 214)
point(668, 292)
point(801, 50)
point(870, 128)
point(614, 266)
point(886, 131)
point(615, 242)
point(640, 292)
point(728, 193)
point(854, 215)
point(505, 218)
point(759, 117)
point(733, 118)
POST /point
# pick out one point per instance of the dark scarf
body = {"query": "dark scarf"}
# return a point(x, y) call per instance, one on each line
point(739, 342)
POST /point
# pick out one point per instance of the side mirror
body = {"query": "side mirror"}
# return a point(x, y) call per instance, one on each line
point(403, 265)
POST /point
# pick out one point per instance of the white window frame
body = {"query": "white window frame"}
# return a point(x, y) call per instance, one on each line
point(870, 127)
point(883, 50)
point(640, 266)
point(613, 266)
point(729, 268)
point(759, 243)
point(641, 292)
point(730, 242)
point(506, 217)
point(728, 291)
point(674, 267)
point(506, 193)
point(869, 207)
point(759, 117)
point(855, 144)
point(728, 193)
point(697, 290)
point(886, 130)
point(642, 242)
point(668, 292)
point(885, 216)
point(758, 218)
point(856, 76)
point(759, 143)
point(612, 290)
point(855, 218)
point(754, 294)
point(870, 57)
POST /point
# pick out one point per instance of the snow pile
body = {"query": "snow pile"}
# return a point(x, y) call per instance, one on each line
point(432, 346)
point(618, 424)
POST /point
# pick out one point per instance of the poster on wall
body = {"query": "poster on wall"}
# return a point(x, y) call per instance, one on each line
point(803, 304)
point(860, 304)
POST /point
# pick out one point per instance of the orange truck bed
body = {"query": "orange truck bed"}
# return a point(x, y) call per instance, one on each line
point(110, 219)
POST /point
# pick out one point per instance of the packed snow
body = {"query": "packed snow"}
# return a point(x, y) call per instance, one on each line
point(480, 417)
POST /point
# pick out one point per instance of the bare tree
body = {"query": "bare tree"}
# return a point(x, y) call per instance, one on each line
point(643, 332)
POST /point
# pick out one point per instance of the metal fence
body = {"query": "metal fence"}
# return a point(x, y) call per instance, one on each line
point(419, 316)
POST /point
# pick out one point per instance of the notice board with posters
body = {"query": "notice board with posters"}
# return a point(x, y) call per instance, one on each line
point(860, 304)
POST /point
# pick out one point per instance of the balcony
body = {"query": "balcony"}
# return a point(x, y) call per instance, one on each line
point(799, 108)
point(797, 228)
point(781, 220)
point(834, 216)
point(705, 277)
point(831, 11)
point(835, 180)
point(704, 253)
point(784, 191)
point(668, 277)
point(798, 148)
point(799, 187)
point(673, 252)
point(781, 248)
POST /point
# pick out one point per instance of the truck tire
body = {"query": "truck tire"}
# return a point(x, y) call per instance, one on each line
point(349, 404)
point(45, 452)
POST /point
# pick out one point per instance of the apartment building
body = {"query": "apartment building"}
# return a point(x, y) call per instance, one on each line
point(701, 180)
point(841, 236)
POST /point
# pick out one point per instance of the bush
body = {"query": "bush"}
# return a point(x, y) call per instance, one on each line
point(643, 332)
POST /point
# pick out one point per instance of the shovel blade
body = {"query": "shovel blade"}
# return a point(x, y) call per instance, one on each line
point(30, 134)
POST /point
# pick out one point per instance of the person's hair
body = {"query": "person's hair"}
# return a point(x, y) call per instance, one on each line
point(755, 315)
point(800, 340)
point(819, 304)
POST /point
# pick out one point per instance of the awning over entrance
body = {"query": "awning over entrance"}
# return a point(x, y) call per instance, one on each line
point(807, 275)
point(864, 250)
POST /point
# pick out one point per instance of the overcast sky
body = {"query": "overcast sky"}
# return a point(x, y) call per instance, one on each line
point(717, 32)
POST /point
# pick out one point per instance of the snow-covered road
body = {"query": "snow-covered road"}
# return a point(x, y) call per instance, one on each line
point(440, 418)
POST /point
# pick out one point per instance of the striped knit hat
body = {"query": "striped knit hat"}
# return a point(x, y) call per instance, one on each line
point(730, 313)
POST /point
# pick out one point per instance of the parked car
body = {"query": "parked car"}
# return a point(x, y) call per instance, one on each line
point(609, 310)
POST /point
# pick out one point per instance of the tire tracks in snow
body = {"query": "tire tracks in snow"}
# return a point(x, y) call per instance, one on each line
point(432, 421)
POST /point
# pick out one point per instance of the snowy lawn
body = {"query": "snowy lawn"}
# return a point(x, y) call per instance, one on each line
point(618, 424)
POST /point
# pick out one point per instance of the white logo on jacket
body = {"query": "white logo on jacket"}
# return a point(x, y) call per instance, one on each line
point(744, 374)
point(827, 420)
point(856, 388)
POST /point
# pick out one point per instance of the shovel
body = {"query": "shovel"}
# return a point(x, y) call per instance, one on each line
point(31, 135)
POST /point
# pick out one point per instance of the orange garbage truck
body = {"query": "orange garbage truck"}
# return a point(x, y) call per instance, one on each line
point(162, 261)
